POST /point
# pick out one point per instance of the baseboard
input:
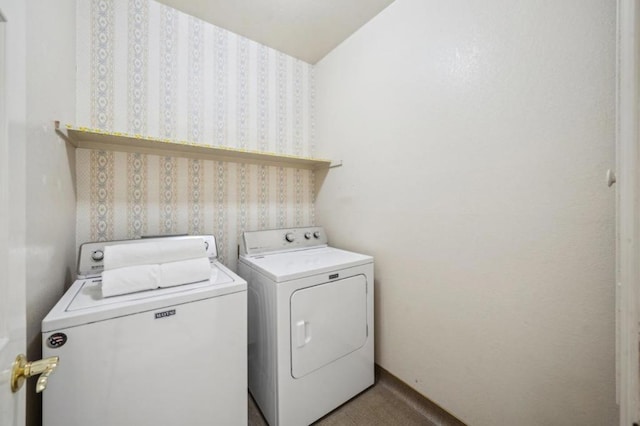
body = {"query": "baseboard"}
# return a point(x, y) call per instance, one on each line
point(429, 409)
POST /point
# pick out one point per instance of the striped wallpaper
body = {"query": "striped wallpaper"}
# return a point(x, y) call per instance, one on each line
point(148, 69)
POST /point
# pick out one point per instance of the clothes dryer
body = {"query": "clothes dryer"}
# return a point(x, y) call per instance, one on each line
point(310, 313)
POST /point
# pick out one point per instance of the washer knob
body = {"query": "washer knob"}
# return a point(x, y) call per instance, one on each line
point(316, 234)
point(307, 235)
point(97, 255)
point(290, 237)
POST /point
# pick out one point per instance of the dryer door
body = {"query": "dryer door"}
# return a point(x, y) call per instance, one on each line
point(328, 321)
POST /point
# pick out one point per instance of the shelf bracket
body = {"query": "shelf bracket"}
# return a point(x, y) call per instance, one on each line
point(62, 133)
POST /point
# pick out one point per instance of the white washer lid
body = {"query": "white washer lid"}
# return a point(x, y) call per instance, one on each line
point(291, 265)
point(83, 302)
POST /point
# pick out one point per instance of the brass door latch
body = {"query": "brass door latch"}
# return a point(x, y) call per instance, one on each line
point(22, 370)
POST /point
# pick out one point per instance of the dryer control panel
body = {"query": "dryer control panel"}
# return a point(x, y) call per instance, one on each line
point(273, 240)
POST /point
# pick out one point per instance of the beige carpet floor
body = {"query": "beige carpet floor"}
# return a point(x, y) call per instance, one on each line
point(381, 405)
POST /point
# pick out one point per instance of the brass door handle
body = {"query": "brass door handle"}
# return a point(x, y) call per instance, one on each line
point(22, 370)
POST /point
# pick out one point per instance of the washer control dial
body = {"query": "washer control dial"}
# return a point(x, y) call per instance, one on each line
point(316, 234)
point(290, 237)
point(307, 235)
point(97, 255)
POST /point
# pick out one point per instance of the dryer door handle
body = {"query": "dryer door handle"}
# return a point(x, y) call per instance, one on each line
point(303, 333)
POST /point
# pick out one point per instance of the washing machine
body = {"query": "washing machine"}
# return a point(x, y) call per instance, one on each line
point(170, 356)
point(310, 312)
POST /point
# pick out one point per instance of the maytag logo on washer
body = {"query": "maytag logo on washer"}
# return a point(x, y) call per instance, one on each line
point(165, 314)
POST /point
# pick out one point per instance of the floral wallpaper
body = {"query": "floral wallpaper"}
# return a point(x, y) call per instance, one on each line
point(145, 68)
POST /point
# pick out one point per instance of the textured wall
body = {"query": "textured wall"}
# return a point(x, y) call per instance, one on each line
point(475, 138)
point(49, 169)
point(148, 69)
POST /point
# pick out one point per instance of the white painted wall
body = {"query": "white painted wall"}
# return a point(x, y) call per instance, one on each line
point(475, 138)
point(50, 166)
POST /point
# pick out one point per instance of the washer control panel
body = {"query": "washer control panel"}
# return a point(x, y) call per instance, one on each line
point(91, 256)
point(259, 242)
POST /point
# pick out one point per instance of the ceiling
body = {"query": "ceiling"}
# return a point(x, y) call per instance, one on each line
point(304, 29)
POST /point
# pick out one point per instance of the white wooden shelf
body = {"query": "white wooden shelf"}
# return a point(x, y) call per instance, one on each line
point(83, 137)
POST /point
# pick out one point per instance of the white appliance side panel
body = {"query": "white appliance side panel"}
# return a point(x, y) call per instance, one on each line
point(187, 368)
point(261, 300)
point(328, 321)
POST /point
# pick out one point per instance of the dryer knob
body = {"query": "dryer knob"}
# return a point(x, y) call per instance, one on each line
point(307, 235)
point(316, 234)
point(97, 255)
point(290, 237)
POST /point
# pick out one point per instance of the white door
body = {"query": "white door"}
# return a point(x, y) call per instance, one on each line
point(12, 286)
point(628, 211)
point(328, 321)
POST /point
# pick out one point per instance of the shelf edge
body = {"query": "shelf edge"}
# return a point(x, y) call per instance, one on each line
point(81, 137)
